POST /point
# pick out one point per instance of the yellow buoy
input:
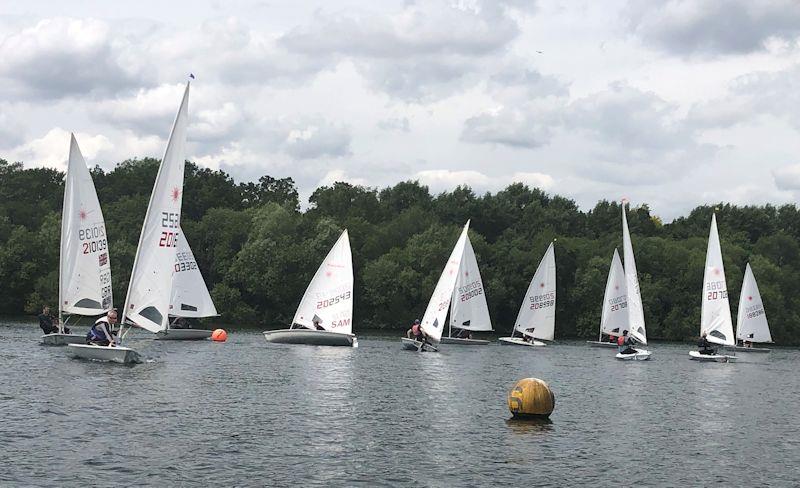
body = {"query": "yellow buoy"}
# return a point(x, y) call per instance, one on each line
point(531, 398)
point(219, 335)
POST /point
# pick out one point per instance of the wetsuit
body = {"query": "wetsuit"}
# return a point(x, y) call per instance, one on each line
point(628, 345)
point(46, 323)
point(705, 346)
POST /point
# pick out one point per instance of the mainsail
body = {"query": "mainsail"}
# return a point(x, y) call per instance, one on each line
point(329, 296)
point(469, 310)
point(150, 288)
point(635, 312)
point(538, 310)
point(751, 323)
point(436, 312)
point(715, 318)
point(190, 297)
point(615, 319)
point(84, 281)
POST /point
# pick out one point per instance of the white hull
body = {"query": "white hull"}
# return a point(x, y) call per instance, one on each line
point(122, 355)
point(517, 341)
point(718, 358)
point(310, 337)
point(183, 335)
point(601, 344)
point(62, 339)
point(639, 355)
point(464, 342)
point(748, 349)
point(412, 345)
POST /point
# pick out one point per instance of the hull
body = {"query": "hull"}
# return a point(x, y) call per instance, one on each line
point(639, 355)
point(183, 335)
point(310, 337)
point(412, 345)
point(62, 339)
point(516, 341)
point(464, 342)
point(601, 344)
point(122, 355)
point(748, 349)
point(717, 358)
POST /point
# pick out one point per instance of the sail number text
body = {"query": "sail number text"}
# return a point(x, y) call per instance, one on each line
point(618, 303)
point(94, 239)
point(542, 301)
point(169, 238)
point(328, 302)
point(470, 290)
point(716, 290)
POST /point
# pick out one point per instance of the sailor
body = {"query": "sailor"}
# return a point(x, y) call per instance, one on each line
point(316, 321)
point(101, 333)
point(415, 332)
point(46, 322)
point(705, 346)
point(625, 343)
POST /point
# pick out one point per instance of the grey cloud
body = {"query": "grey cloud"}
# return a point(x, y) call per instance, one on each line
point(509, 127)
point(317, 139)
point(711, 27)
point(787, 177)
point(400, 124)
point(66, 57)
point(753, 95)
point(425, 51)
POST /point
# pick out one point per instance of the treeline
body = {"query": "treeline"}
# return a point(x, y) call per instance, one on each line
point(257, 250)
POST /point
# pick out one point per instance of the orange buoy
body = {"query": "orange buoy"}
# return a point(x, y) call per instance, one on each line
point(531, 398)
point(219, 335)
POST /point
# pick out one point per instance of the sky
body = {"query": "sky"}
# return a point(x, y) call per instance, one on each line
point(671, 103)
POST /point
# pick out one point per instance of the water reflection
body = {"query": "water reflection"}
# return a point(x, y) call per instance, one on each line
point(529, 426)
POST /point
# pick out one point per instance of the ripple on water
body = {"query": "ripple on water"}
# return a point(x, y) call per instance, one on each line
point(248, 413)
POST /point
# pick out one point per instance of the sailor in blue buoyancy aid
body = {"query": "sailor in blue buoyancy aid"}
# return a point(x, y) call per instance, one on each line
point(101, 333)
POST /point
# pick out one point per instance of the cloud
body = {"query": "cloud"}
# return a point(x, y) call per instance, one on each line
point(422, 52)
point(445, 180)
point(747, 97)
point(316, 139)
point(399, 124)
point(509, 127)
point(787, 177)
point(711, 27)
point(62, 57)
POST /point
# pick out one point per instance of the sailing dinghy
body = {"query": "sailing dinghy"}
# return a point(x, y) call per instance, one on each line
point(537, 314)
point(615, 319)
point(190, 297)
point(636, 328)
point(150, 288)
point(325, 314)
point(84, 271)
point(715, 316)
point(751, 321)
point(436, 311)
point(468, 309)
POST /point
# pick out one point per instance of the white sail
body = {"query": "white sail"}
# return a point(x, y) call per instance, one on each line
point(150, 288)
point(436, 312)
point(190, 297)
point(469, 310)
point(635, 311)
point(751, 323)
point(538, 310)
point(329, 296)
point(615, 319)
point(715, 317)
point(84, 282)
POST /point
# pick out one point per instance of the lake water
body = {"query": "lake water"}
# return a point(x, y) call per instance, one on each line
point(248, 413)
